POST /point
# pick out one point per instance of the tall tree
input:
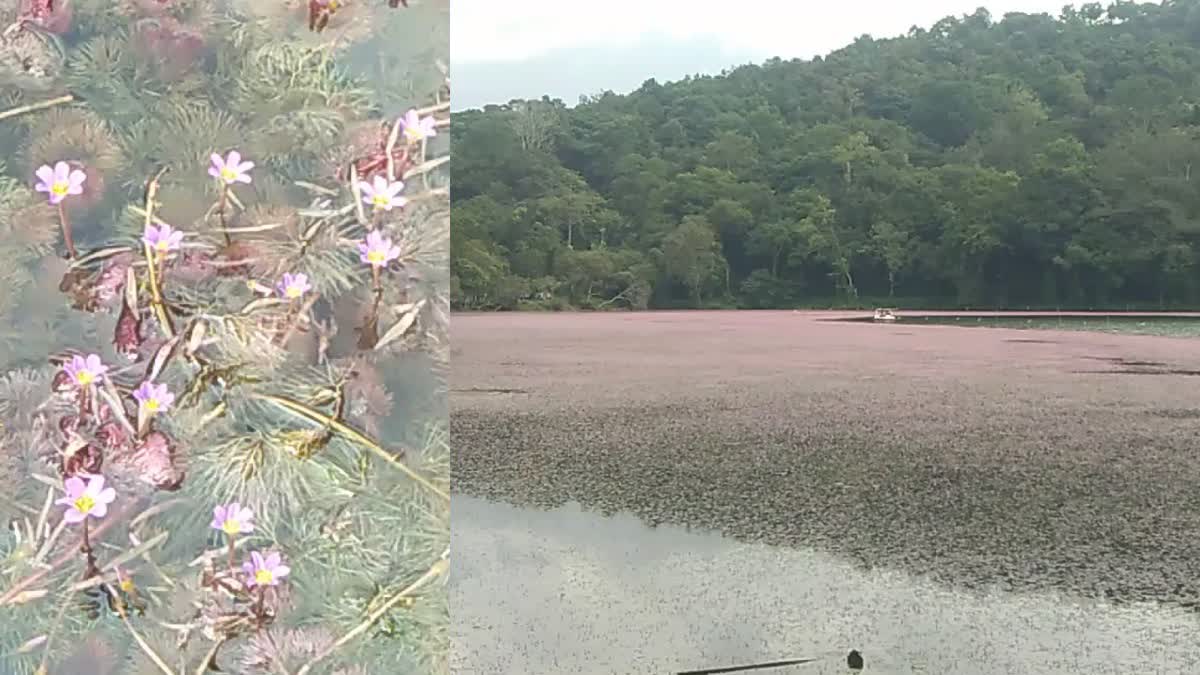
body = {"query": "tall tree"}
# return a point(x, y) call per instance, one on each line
point(1016, 161)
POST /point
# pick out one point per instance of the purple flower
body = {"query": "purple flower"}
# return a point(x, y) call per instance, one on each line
point(86, 499)
point(294, 285)
point(264, 571)
point(231, 169)
point(162, 239)
point(60, 181)
point(154, 397)
point(378, 250)
point(381, 194)
point(84, 371)
point(233, 518)
point(417, 128)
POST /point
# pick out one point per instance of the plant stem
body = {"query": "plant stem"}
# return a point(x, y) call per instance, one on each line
point(212, 652)
point(221, 213)
point(90, 569)
point(66, 230)
point(160, 311)
point(43, 570)
point(354, 435)
point(294, 318)
point(58, 621)
point(137, 637)
point(232, 552)
point(436, 570)
point(21, 110)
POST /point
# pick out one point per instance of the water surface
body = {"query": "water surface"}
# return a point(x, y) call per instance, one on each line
point(1148, 324)
point(570, 591)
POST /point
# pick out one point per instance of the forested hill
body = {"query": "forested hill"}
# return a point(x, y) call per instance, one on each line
point(1030, 161)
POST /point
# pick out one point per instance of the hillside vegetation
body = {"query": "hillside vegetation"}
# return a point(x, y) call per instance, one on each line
point(1029, 161)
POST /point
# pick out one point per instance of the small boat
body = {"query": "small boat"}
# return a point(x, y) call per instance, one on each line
point(885, 314)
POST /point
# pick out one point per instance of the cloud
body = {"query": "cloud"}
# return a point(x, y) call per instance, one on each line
point(511, 30)
point(569, 73)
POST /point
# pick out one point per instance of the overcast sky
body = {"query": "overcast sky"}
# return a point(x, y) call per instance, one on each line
point(503, 46)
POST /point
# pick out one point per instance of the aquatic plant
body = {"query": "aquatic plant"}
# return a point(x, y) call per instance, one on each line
point(86, 500)
point(381, 194)
point(220, 336)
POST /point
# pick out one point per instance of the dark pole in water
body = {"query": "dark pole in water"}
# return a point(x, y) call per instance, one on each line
point(756, 666)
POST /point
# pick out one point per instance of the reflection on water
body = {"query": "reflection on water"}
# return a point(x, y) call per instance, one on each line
point(182, 212)
point(567, 591)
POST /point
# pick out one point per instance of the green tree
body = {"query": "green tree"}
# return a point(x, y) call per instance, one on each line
point(1025, 160)
point(691, 255)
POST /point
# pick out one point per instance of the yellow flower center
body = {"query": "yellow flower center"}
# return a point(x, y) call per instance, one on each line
point(380, 201)
point(60, 188)
point(151, 404)
point(375, 257)
point(231, 526)
point(414, 133)
point(334, 5)
point(126, 585)
point(294, 292)
point(161, 246)
point(228, 174)
point(84, 378)
point(84, 503)
point(263, 576)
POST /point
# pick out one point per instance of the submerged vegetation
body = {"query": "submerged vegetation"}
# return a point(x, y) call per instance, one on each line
point(1015, 161)
point(223, 247)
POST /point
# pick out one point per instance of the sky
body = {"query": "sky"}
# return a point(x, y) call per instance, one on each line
point(503, 49)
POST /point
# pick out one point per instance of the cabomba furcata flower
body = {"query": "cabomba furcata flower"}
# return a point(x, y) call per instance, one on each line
point(381, 194)
point(154, 398)
point(60, 181)
point(262, 571)
point(86, 499)
point(233, 519)
point(162, 239)
point(377, 250)
point(417, 128)
point(85, 371)
point(294, 286)
point(231, 169)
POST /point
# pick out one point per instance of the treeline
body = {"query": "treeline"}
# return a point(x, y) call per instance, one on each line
point(1033, 161)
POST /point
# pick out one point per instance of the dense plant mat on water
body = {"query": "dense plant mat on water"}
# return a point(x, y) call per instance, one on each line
point(223, 337)
point(974, 456)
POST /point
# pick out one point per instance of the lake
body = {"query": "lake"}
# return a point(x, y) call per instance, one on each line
point(568, 591)
point(988, 474)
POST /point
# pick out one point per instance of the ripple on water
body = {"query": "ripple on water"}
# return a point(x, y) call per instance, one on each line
point(568, 591)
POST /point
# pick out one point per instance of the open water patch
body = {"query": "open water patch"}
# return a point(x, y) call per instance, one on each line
point(571, 591)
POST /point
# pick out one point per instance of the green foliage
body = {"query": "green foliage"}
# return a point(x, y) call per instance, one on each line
point(1022, 161)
